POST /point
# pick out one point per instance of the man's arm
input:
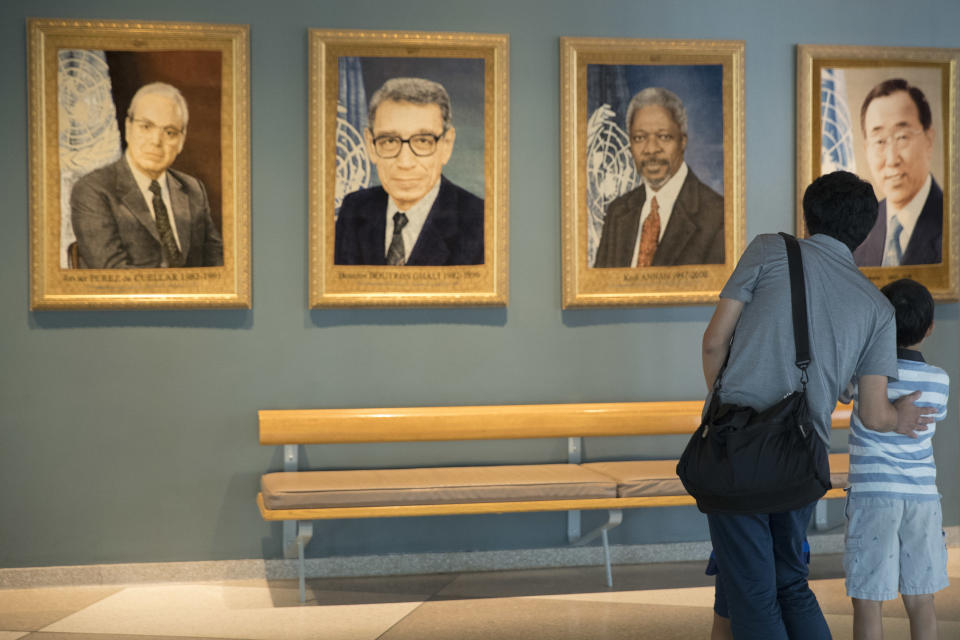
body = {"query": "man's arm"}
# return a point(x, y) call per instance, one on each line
point(212, 242)
point(612, 250)
point(903, 416)
point(716, 338)
point(604, 257)
point(98, 237)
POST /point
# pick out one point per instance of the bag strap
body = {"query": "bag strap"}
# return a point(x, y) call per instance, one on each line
point(798, 299)
point(798, 303)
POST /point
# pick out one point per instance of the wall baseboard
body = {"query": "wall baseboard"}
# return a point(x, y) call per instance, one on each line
point(383, 565)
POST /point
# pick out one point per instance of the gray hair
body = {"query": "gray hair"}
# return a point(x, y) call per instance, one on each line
point(165, 90)
point(415, 90)
point(660, 97)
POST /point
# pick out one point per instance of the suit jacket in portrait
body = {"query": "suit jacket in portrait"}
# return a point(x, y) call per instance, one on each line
point(115, 229)
point(452, 234)
point(925, 242)
point(694, 234)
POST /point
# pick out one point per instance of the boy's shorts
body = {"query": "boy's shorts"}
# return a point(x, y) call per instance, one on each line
point(893, 545)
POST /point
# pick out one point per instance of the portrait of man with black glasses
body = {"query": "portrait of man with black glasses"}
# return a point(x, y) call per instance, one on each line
point(416, 216)
point(138, 212)
point(898, 132)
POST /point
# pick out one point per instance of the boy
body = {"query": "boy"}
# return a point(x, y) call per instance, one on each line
point(894, 536)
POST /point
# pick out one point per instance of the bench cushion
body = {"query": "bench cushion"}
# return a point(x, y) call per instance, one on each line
point(639, 478)
point(435, 485)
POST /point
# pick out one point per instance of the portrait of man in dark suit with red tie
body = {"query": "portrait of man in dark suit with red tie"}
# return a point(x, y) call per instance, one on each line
point(138, 212)
point(672, 218)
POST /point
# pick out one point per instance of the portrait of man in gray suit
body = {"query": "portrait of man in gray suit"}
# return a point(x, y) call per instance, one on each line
point(672, 218)
point(138, 212)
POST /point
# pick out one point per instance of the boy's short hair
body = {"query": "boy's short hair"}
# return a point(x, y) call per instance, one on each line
point(842, 206)
point(913, 307)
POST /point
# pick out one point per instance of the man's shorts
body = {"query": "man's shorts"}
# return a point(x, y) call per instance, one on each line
point(893, 545)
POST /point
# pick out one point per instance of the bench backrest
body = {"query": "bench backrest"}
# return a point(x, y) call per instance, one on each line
point(492, 422)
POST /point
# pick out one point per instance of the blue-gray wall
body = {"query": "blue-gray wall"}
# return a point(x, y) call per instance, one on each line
point(131, 436)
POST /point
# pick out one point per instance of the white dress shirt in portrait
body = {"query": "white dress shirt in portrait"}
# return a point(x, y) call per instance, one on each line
point(416, 216)
point(666, 197)
point(143, 182)
point(909, 215)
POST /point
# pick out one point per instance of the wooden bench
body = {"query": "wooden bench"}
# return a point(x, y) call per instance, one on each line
point(298, 497)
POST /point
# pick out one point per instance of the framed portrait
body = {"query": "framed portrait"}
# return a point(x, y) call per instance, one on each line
point(408, 169)
point(889, 115)
point(139, 165)
point(652, 153)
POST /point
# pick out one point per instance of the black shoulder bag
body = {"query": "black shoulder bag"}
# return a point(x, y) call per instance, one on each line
point(741, 460)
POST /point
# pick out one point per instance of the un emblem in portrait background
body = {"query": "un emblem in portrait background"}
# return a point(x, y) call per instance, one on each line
point(89, 134)
point(353, 165)
point(610, 170)
point(836, 148)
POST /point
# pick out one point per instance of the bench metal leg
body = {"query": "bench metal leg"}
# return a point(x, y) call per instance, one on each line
point(289, 539)
point(573, 526)
point(297, 548)
point(820, 515)
point(574, 456)
point(606, 558)
point(614, 518)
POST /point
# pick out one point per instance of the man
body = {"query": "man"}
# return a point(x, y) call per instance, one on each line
point(672, 218)
point(896, 123)
point(417, 216)
point(138, 212)
point(762, 579)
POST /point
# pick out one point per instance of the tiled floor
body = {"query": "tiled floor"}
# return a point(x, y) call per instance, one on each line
point(655, 601)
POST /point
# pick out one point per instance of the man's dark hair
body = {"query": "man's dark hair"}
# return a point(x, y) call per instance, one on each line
point(889, 87)
point(842, 206)
point(913, 307)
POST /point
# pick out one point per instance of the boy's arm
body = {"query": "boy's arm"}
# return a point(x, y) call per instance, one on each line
point(903, 416)
point(716, 338)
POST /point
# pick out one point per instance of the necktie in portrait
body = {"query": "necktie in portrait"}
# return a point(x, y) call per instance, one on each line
point(649, 235)
point(893, 253)
point(168, 243)
point(396, 252)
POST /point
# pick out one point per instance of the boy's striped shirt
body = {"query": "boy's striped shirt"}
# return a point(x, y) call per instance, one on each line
point(890, 464)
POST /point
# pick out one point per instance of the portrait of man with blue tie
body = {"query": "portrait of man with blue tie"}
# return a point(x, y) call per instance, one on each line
point(416, 216)
point(899, 140)
point(138, 212)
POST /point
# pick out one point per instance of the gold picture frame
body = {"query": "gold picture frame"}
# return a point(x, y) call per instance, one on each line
point(692, 261)
point(834, 83)
point(468, 266)
point(82, 76)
